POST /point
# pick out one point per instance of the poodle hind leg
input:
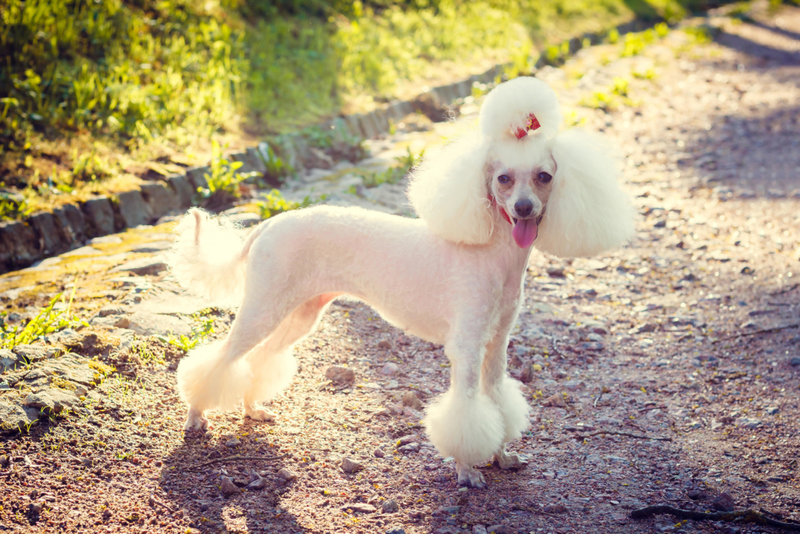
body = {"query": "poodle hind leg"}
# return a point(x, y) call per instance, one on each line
point(272, 363)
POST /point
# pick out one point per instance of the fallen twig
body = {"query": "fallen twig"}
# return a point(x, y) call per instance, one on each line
point(755, 333)
point(628, 434)
point(744, 516)
point(237, 457)
point(785, 290)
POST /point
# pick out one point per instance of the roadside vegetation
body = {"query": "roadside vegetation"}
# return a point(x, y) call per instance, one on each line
point(98, 94)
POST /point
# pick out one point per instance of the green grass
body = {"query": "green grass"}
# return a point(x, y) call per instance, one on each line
point(88, 88)
point(48, 321)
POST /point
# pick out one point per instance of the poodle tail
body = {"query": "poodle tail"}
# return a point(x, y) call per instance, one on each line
point(209, 377)
point(208, 255)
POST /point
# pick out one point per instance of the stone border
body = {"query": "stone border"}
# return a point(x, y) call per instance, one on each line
point(45, 234)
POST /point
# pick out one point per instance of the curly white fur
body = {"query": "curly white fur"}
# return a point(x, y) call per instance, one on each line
point(454, 276)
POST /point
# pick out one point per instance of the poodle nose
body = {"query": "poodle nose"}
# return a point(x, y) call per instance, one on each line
point(523, 207)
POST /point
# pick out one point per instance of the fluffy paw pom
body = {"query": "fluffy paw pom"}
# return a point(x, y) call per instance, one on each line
point(468, 428)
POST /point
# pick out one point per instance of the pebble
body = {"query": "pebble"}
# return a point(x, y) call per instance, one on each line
point(390, 369)
point(379, 453)
point(479, 529)
point(556, 400)
point(287, 475)
point(795, 361)
point(360, 507)
point(556, 509)
point(390, 506)
point(351, 466)
point(384, 344)
point(340, 374)
point(411, 447)
point(227, 487)
point(395, 530)
point(233, 442)
point(724, 502)
point(257, 484)
point(526, 374)
point(410, 399)
point(500, 529)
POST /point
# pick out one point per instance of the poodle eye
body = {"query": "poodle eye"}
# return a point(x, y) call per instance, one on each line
point(545, 177)
point(503, 178)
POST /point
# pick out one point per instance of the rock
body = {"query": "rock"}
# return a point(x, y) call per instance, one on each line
point(772, 410)
point(233, 442)
point(15, 417)
point(183, 189)
point(500, 529)
point(245, 220)
point(556, 400)
point(395, 530)
point(133, 209)
point(52, 400)
point(340, 374)
point(152, 324)
point(99, 216)
point(70, 367)
point(52, 239)
point(384, 344)
point(160, 198)
point(360, 507)
point(795, 361)
point(556, 509)
point(749, 422)
point(19, 245)
point(4, 461)
point(526, 374)
point(410, 399)
point(390, 506)
point(9, 361)
point(142, 266)
point(447, 510)
point(257, 484)
point(379, 453)
point(227, 487)
point(411, 447)
point(390, 369)
point(286, 475)
point(479, 529)
point(724, 502)
point(35, 353)
point(351, 466)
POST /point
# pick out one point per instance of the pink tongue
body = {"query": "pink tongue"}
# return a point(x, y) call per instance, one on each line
point(525, 232)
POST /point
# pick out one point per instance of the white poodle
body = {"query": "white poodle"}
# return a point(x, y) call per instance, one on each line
point(454, 276)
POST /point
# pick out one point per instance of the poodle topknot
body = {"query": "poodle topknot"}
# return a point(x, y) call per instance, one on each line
point(454, 276)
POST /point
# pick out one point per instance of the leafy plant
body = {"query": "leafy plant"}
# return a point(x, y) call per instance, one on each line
point(277, 168)
point(393, 175)
point(48, 321)
point(274, 203)
point(223, 180)
point(203, 327)
point(13, 206)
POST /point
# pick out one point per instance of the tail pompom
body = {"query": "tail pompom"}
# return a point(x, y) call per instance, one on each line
point(207, 379)
point(208, 256)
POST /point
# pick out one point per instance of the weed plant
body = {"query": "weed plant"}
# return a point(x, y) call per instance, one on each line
point(48, 321)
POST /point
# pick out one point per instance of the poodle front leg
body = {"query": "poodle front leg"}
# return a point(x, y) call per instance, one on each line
point(464, 422)
point(505, 391)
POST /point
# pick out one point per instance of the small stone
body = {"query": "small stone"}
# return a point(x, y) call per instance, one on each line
point(4, 461)
point(410, 399)
point(448, 510)
point(795, 361)
point(390, 369)
point(556, 400)
point(390, 506)
point(395, 530)
point(52, 400)
point(35, 353)
point(379, 453)
point(384, 344)
point(556, 509)
point(479, 529)
point(500, 529)
point(337, 373)
point(526, 374)
point(411, 447)
point(351, 466)
point(360, 507)
point(257, 484)
point(696, 494)
point(233, 442)
point(749, 422)
point(227, 487)
point(142, 266)
point(287, 475)
point(724, 502)
point(772, 410)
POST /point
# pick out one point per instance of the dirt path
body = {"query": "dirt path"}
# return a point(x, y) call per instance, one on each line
point(689, 335)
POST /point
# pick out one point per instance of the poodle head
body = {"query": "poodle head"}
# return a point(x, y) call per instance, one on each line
point(516, 175)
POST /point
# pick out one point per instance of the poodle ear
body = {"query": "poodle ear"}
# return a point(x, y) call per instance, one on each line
point(448, 191)
point(587, 212)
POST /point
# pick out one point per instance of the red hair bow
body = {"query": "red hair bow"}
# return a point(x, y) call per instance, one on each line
point(532, 123)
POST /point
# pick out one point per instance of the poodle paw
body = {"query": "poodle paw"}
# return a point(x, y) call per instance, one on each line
point(468, 476)
point(258, 414)
point(509, 461)
point(195, 421)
